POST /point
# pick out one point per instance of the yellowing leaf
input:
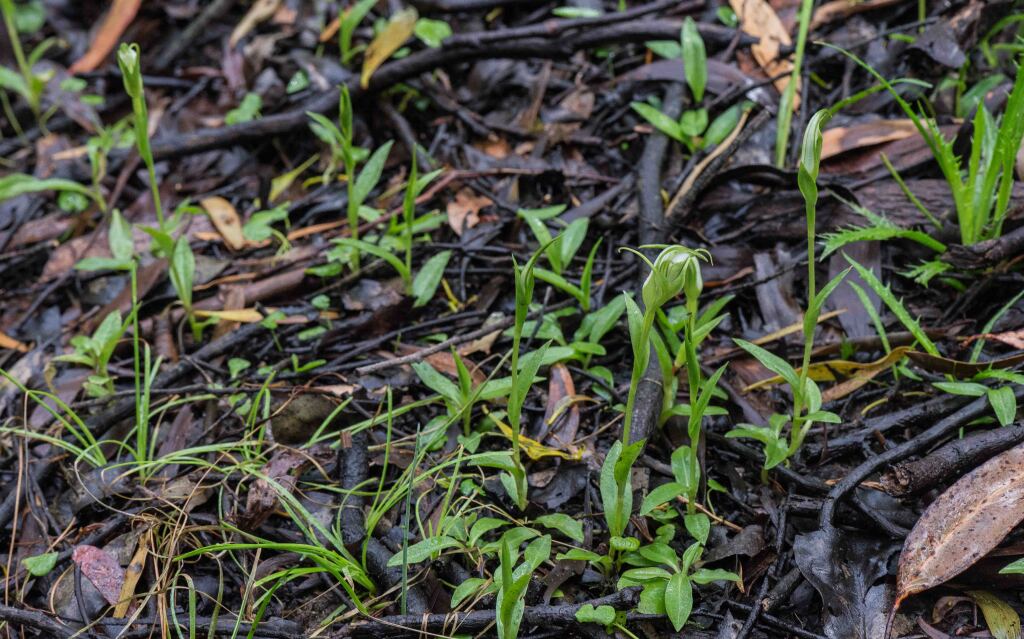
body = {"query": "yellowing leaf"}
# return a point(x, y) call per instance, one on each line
point(225, 219)
point(259, 12)
point(399, 28)
point(243, 315)
point(533, 448)
point(1002, 620)
point(10, 343)
point(281, 183)
point(841, 369)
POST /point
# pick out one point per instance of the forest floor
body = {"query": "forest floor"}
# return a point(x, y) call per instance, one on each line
point(687, 318)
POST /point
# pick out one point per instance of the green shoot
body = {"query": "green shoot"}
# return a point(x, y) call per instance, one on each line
point(128, 59)
point(789, 93)
point(522, 377)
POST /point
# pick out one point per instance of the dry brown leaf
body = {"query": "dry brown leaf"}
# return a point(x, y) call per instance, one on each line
point(562, 412)
point(225, 218)
point(841, 139)
point(261, 11)
point(1014, 339)
point(121, 14)
point(464, 210)
point(102, 569)
point(958, 368)
point(759, 20)
point(11, 344)
point(388, 41)
point(279, 475)
point(132, 574)
point(838, 9)
point(963, 524)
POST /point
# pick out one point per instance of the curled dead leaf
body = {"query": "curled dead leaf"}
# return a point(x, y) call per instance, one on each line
point(758, 18)
point(464, 210)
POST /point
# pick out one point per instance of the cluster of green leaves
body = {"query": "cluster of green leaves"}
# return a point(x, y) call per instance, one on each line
point(981, 190)
point(25, 81)
point(94, 352)
point(692, 129)
point(666, 576)
point(424, 284)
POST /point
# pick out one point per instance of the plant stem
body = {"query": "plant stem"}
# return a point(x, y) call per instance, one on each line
point(639, 365)
point(786, 102)
point(12, 34)
point(693, 379)
point(141, 435)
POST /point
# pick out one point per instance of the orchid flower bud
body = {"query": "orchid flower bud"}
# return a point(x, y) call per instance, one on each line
point(131, 72)
point(675, 270)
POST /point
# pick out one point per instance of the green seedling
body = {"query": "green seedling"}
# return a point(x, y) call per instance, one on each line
point(461, 397)
point(24, 82)
point(806, 394)
point(423, 285)
point(1000, 398)
point(511, 603)
point(692, 129)
point(432, 32)
point(246, 111)
point(561, 250)
point(349, 21)
point(666, 577)
point(129, 60)
point(340, 140)
point(522, 377)
point(94, 352)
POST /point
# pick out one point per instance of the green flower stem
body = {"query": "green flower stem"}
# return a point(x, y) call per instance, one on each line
point(693, 379)
point(639, 366)
point(141, 434)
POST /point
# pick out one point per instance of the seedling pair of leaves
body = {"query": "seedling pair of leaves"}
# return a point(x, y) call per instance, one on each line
point(514, 580)
point(1001, 398)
